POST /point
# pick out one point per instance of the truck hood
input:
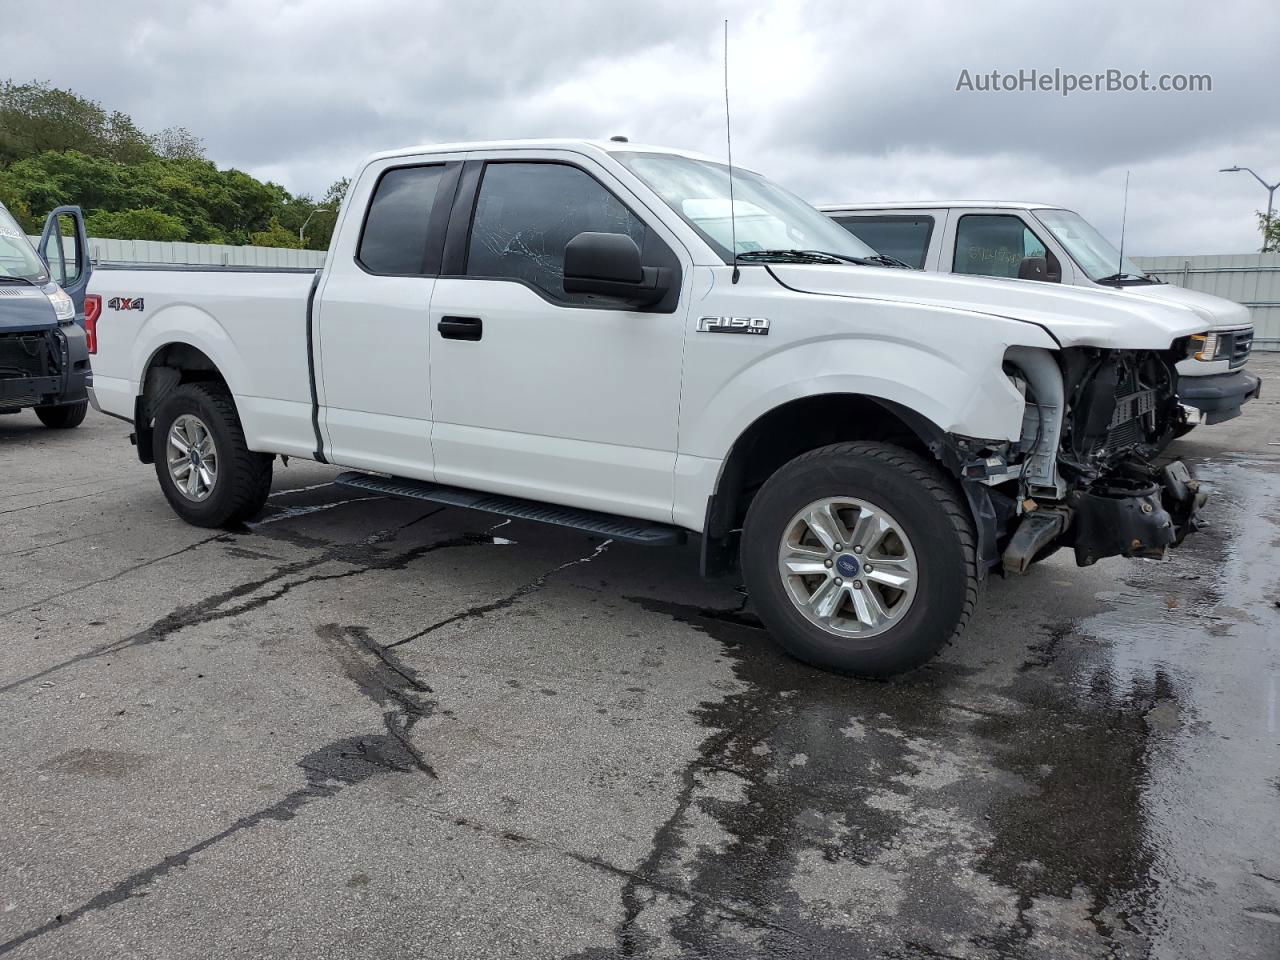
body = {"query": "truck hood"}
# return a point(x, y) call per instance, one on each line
point(1074, 316)
point(24, 308)
point(1216, 312)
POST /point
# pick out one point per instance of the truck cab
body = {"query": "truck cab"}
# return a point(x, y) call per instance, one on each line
point(1037, 241)
point(44, 354)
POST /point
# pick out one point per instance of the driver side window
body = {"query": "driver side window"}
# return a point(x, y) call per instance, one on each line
point(527, 212)
point(993, 245)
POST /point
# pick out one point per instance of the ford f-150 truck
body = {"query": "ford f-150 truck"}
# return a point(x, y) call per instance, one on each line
point(1036, 241)
point(44, 357)
point(590, 334)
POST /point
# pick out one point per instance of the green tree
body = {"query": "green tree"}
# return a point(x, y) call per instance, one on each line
point(60, 148)
point(1271, 238)
point(144, 224)
point(35, 117)
point(275, 235)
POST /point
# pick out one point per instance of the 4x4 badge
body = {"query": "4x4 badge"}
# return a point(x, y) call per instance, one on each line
point(759, 326)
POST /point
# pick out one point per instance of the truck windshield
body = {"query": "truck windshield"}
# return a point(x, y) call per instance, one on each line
point(1090, 249)
point(17, 259)
point(766, 216)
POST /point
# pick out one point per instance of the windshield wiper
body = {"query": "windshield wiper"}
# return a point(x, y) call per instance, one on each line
point(788, 256)
point(818, 256)
point(17, 280)
point(1122, 277)
point(885, 260)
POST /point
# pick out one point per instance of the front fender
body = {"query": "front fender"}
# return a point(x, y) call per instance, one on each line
point(958, 393)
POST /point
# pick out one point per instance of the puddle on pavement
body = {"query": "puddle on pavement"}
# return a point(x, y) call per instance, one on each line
point(939, 814)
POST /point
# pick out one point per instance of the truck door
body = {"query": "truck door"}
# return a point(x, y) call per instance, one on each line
point(541, 393)
point(64, 247)
point(373, 341)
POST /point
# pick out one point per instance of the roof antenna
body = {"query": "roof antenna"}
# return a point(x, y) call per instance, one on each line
point(1123, 217)
point(728, 139)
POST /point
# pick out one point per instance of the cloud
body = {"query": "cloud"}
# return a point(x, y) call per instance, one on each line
point(838, 101)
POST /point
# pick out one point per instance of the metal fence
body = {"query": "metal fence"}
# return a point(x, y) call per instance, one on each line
point(1252, 279)
point(214, 254)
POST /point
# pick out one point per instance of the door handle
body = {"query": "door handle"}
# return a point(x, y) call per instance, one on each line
point(460, 328)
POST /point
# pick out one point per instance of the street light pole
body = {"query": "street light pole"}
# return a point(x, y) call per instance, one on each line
point(1271, 199)
point(308, 220)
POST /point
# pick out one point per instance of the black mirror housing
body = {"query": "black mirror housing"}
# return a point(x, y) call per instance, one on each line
point(1033, 268)
point(609, 264)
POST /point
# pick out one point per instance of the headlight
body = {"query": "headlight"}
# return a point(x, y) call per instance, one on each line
point(1208, 346)
point(63, 305)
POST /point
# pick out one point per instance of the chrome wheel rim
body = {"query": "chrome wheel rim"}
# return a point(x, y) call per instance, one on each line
point(848, 566)
point(192, 458)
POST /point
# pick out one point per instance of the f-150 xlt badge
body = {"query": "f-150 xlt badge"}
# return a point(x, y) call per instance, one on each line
point(759, 326)
point(125, 303)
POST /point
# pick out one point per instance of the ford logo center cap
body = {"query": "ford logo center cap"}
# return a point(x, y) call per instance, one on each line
point(847, 564)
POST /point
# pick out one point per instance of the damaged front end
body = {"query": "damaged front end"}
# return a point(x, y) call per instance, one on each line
point(1087, 472)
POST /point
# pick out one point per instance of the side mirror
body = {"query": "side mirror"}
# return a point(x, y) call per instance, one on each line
point(609, 264)
point(1033, 268)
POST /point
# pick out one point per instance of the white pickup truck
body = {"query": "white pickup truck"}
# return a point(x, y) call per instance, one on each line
point(1037, 241)
point(561, 331)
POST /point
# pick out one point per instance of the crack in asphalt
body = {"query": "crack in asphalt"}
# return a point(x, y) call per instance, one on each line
point(68, 591)
point(382, 679)
point(49, 503)
point(484, 609)
point(361, 555)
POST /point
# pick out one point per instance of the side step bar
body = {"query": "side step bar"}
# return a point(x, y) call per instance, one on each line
point(601, 524)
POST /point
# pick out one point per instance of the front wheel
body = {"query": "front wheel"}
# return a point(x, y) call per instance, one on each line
point(860, 558)
point(208, 474)
point(63, 417)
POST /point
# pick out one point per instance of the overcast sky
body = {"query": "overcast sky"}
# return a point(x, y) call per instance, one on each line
point(839, 101)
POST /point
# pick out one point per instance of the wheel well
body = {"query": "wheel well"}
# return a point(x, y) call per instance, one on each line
point(784, 433)
point(171, 366)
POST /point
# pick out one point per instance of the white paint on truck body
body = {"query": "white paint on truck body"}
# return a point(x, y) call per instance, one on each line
point(619, 409)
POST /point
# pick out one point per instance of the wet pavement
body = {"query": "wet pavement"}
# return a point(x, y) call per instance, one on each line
point(365, 728)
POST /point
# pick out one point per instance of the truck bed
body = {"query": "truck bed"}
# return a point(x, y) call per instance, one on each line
point(251, 322)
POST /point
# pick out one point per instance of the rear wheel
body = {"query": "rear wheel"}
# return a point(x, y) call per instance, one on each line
point(861, 558)
point(208, 474)
point(64, 416)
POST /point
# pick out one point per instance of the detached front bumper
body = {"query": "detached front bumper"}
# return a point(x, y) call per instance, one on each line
point(1220, 396)
point(1137, 517)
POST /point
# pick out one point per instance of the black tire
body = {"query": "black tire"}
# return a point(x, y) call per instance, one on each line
point(63, 417)
point(243, 479)
point(926, 505)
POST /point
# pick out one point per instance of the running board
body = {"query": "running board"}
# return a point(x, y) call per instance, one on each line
point(588, 521)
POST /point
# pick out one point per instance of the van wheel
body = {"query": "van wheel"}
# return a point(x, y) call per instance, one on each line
point(208, 474)
point(861, 558)
point(64, 416)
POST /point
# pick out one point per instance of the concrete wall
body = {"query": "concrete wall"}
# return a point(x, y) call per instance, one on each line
point(1249, 278)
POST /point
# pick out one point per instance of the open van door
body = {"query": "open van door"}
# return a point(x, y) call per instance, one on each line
point(64, 247)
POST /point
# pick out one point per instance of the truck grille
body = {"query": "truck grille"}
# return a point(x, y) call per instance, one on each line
point(1241, 345)
point(25, 355)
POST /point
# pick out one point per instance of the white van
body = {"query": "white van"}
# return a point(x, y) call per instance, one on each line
point(1038, 241)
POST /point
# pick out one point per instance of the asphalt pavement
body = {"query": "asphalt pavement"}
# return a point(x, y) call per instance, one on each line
point(360, 727)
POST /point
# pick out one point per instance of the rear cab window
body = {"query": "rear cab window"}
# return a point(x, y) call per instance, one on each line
point(905, 237)
point(393, 241)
